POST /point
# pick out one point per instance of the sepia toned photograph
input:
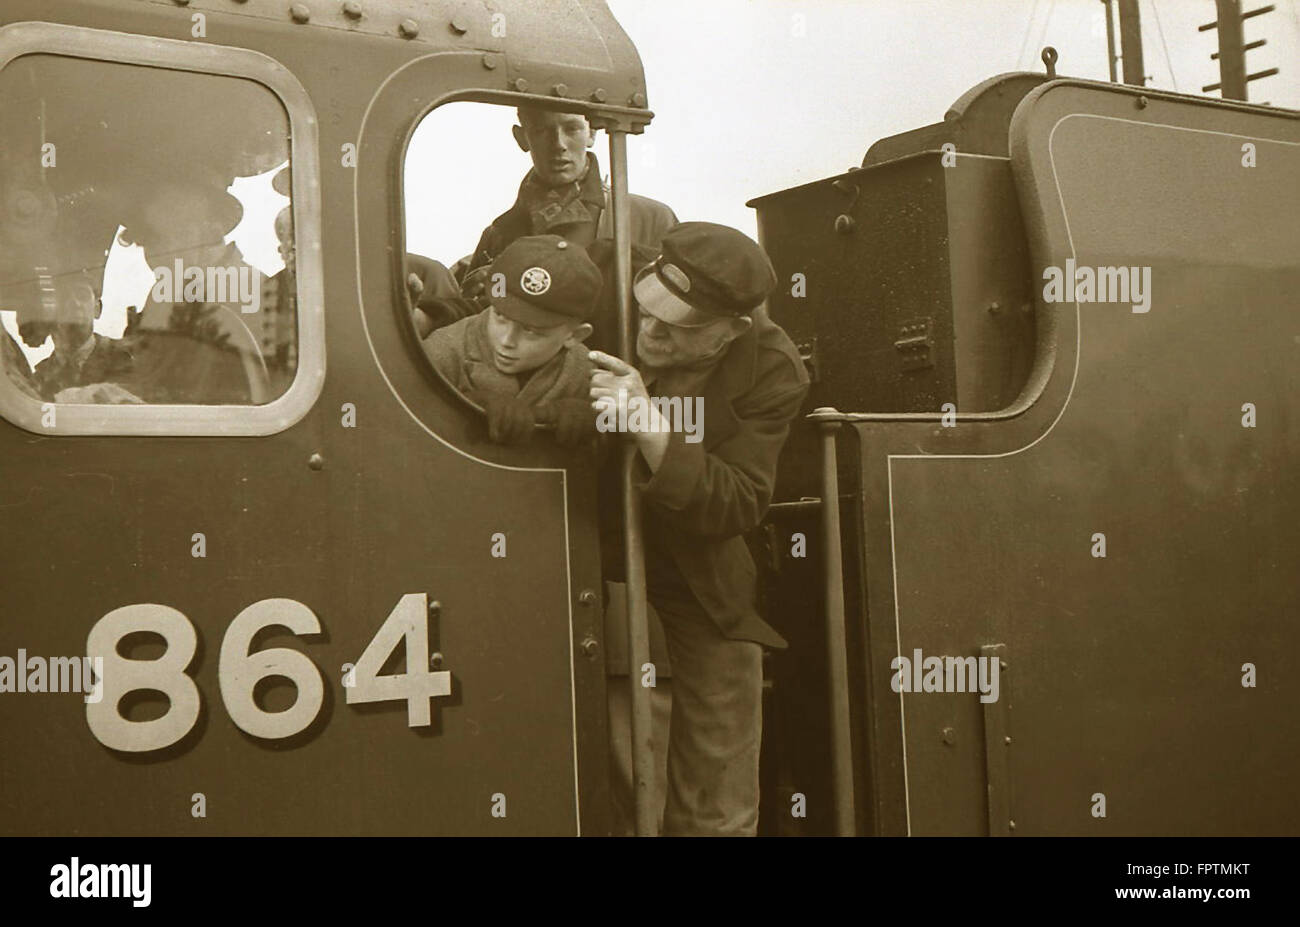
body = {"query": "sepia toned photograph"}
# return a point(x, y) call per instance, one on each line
point(612, 418)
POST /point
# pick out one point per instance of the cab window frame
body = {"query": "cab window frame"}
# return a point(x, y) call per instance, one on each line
point(197, 420)
point(505, 100)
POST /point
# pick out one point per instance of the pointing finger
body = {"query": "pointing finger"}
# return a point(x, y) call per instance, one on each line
point(610, 362)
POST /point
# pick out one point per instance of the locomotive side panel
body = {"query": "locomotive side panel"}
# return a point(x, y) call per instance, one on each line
point(319, 538)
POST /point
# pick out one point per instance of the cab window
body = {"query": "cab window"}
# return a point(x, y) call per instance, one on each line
point(147, 240)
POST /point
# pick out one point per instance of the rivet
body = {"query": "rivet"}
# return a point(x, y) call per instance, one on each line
point(587, 598)
point(598, 95)
point(300, 13)
point(1011, 825)
point(1142, 102)
point(435, 607)
point(1006, 740)
point(590, 647)
point(638, 99)
point(490, 61)
point(458, 24)
point(994, 306)
point(844, 224)
point(560, 90)
point(316, 461)
point(949, 735)
point(435, 659)
point(521, 85)
point(408, 29)
point(352, 9)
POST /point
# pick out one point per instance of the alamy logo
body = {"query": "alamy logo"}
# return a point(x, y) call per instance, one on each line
point(1077, 284)
point(87, 880)
point(53, 674)
point(946, 674)
point(192, 284)
point(639, 414)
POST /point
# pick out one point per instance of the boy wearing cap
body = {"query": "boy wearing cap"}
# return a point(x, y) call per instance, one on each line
point(704, 335)
point(522, 357)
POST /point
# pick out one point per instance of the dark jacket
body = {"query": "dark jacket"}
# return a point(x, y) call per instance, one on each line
point(705, 496)
point(579, 211)
point(105, 360)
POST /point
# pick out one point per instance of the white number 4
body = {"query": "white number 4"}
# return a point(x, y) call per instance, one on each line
point(409, 619)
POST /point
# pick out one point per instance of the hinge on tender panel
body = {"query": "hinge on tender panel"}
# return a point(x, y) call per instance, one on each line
point(914, 344)
point(997, 747)
point(808, 354)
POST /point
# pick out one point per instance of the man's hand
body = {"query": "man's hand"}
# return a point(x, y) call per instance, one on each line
point(509, 420)
point(414, 288)
point(614, 383)
point(476, 282)
point(616, 388)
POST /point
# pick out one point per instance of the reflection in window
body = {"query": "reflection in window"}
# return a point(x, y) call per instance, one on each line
point(146, 240)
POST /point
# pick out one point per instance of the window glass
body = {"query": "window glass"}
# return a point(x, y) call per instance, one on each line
point(146, 236)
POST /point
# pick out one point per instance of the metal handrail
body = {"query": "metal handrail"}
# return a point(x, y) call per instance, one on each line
point(638, 632)
point(836, 646)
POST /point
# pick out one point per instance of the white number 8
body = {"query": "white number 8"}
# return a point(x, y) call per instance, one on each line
point(166, 674)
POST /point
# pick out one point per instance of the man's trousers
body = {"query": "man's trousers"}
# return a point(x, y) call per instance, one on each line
point(707, 729)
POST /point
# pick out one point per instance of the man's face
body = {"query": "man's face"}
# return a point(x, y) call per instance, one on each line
point(557, 143)
point(660, 345)
point(518, 348)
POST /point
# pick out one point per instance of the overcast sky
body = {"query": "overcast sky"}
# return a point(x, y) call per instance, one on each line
point(749, 98)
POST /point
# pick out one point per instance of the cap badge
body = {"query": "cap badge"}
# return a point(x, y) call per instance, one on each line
point(677, 277)
point(535, 281)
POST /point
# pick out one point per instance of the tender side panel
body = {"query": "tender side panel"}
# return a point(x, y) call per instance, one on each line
point(1125, 673)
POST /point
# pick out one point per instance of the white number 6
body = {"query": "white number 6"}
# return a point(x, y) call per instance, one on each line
point(239, 671)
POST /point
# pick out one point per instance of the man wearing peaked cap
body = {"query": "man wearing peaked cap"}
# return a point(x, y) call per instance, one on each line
point(522, 357)
point(704, 336)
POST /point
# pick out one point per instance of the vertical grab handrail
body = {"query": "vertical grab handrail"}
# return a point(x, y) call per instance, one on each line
point(643, 763)
point(836, 647)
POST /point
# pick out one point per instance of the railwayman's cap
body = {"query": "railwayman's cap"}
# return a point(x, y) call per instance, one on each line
point(548, 282)
point(705, 272)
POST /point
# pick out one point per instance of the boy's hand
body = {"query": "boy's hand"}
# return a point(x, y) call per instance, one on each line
point(509, 420)
point(574, 421)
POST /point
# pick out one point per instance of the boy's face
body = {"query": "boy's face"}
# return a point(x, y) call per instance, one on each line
point(518, 348)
